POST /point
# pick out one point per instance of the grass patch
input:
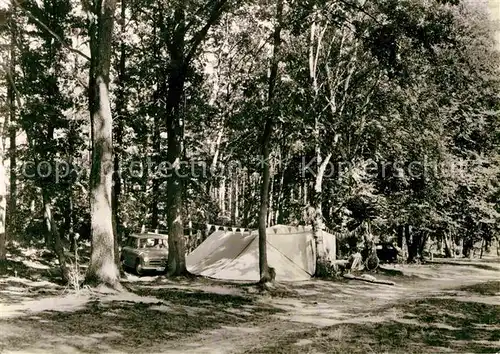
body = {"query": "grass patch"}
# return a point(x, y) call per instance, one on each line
point(123, 325)
point(425, 326)
point(10, 268)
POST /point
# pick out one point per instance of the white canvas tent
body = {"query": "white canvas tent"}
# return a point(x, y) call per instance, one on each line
point(231, 255)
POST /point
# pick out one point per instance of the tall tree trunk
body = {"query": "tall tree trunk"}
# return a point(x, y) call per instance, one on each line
point(281, 193)
point(448, 252)
point(422, 242)
point(155, 192)
point(55, 237)
point(215, 159)
point(400, 232)
point(118, 135)
point(270, 209)
point(315, 45)
point(317, 222)
point(222, 196)
point(230, 201)
point(102, 267)
point(157, 102)
point(305, 193)
point(413, 239)
point(237, 199)
point(70, 217)
point(10, 212)
point(3, 196)
point(175, 151)
point(71, 222)
point(247, 195)
point(265, 273)
point(180, 58)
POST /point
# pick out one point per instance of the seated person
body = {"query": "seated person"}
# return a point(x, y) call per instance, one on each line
point(355, 261)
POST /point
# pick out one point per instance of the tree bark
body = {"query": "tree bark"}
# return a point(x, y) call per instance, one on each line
point(180, 59)
point(400, 231)
point(71, 223)
point(55, 237)
point(422, 242)
point(222, 196)
point(157, 95)
point(265, 272)
point(236, 214)
point(281, 194)
point(270, 209)
point(265, 275)
point(175, 151)
point(305, 192)
point(10, 211)
point(315, 46)
point(121, 105)
point(3, 199)
point(230, 201)
point(247, 196)
point(413, 241)
point(213, 166)
point(102, 268)
point(155, 192)
point(317, 222)
point(69, 218)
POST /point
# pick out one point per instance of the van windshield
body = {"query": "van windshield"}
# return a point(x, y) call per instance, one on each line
point(152, 243)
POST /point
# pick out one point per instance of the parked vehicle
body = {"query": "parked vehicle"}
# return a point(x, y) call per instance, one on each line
point(387, 253)
point(145, 252)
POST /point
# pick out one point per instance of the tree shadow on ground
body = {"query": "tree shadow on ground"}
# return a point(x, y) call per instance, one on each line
point(17, 269)
point(491, 288)
point(433, 325)
point(104, 326)
point(475, 263)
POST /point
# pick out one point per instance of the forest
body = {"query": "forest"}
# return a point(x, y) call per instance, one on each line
point(368, 118)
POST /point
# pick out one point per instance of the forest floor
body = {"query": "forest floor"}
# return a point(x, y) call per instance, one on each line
point(447, 306)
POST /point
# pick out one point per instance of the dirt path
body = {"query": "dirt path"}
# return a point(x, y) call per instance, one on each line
point(172, 317)
point(320, 304)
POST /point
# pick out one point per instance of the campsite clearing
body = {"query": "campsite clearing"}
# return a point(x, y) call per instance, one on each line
point(432, 308)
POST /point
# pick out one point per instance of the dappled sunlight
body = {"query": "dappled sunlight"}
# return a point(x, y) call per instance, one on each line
point(16, 290)
point(202, 315)
point(36, 265)
point(117, 321)
point(490, 300)
point(66, 303)
point(432, 325)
